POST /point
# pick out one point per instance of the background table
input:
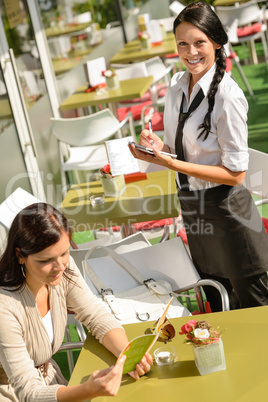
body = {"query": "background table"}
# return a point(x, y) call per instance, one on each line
point(244, 380)
point(132, 51)
point(150, 199)
point(128, 89)
point(217, 3)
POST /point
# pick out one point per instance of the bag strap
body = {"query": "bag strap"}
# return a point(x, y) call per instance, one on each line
point(126, 265)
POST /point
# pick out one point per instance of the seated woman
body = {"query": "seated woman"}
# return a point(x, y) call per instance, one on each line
point(39, 279)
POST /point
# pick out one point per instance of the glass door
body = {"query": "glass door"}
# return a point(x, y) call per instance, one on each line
point(22, 85)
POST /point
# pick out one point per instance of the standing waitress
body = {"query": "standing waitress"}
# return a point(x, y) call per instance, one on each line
point(206, 126)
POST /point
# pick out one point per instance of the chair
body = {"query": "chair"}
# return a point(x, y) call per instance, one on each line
point(84, 137)
point(256, 176)
point(151, 67)
point(13, 204)
point(251, 25)
point(168, 261)
point(231, 57)
point(176, 7)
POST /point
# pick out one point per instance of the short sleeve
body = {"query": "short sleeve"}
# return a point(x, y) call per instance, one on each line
point(232, 130)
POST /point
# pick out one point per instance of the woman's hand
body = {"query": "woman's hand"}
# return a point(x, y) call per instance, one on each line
point(106, 382)
point(143, 367)
point(148, 139)
point(151, 140)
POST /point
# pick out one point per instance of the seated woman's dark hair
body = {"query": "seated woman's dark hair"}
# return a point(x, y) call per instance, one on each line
point(34, 228)
point(204, 18)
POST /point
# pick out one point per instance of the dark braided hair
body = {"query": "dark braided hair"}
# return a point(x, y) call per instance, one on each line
point(204, 18)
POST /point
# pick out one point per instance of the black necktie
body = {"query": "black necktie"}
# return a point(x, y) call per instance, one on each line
point(179, 133)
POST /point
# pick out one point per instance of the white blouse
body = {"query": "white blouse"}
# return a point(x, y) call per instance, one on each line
point(47, 321)
point(226, 145)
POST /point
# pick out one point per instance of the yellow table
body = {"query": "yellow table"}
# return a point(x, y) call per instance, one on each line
point(244, 380)
point(150, 199)
point(221, 3)
point(66, 30)
point(133, 52)
point(61, 66)
point(5, 111)
point(129, 89)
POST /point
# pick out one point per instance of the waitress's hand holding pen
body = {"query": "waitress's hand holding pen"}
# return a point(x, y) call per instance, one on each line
point(149, 139)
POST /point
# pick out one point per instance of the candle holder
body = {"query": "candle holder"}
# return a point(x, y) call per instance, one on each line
point(97, 200)
point(165, 355)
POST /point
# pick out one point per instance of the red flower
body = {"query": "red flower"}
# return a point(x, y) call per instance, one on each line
point(185, 329)
point(190, 325)
point(107, 168)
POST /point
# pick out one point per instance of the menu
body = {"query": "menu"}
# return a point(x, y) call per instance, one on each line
point(94, 69)
point(136, 349)
point(120, 158)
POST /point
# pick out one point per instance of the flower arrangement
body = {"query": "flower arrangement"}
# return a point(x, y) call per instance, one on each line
point(109, 73)
point(106, 171)
point(143, 36)
point(199, 333)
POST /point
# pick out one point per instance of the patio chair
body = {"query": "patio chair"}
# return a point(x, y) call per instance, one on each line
point(232, 58)
point(176, 7)
point(83, 139)
point(251, 25)
point(151, 67)
point(256, 179)
point(168, 261)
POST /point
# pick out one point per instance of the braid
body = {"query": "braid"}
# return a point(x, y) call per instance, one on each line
point(219, 73)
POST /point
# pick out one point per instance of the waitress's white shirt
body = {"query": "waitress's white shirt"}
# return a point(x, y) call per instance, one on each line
point(226, 144)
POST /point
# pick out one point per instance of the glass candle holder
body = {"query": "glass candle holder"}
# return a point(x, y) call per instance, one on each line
point(97, 200)
point(165, 355)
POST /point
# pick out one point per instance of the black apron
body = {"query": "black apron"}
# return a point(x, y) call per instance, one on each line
point(225, 232)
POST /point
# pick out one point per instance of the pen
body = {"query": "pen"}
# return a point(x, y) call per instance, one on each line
point(151, 130)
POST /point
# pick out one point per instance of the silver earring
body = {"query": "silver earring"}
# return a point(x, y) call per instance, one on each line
point(23, 271)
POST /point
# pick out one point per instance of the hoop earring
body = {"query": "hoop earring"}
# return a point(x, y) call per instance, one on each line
point(23, 271)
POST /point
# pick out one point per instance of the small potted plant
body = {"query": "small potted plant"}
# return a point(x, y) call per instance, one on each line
point(111, 78)
point(113, 186)
point(207, 346)
point(144, 39)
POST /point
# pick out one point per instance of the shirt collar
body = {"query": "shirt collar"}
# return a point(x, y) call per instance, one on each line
point(204, 82)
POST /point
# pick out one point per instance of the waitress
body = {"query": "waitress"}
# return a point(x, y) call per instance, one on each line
point(206, 126)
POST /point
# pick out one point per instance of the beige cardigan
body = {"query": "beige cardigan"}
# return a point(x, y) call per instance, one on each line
point(24, 341)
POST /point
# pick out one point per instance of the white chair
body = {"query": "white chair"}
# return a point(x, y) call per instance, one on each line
point(233, 57)
point(13, 204)
point(176, 7)
point(247, 14)
point(256, 179)
point(151, 67)
point(167, 23)
point(84, 137)
point(168, 260)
